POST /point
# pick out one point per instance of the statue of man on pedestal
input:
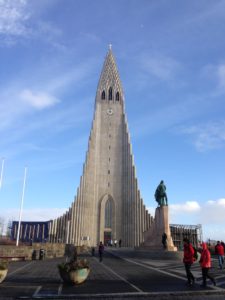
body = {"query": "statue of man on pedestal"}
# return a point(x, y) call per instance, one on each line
point(160, 194)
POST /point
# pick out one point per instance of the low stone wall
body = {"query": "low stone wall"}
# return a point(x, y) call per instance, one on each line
point(51, 250)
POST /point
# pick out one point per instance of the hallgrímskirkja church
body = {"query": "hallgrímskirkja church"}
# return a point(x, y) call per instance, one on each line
point(108, 204)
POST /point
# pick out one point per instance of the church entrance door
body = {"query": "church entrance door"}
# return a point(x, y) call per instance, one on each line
point(107, 238)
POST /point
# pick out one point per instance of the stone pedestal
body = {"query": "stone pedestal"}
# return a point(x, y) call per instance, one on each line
point(153, 237)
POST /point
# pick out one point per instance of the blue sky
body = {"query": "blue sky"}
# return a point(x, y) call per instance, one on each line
point(171, 60)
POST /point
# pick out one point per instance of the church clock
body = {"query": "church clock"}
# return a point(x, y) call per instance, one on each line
point(110, 111)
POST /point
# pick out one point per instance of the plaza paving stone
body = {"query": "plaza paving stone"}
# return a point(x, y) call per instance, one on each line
point(121, 275)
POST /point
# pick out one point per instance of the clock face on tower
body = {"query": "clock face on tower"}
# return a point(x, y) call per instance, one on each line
point(109, 111)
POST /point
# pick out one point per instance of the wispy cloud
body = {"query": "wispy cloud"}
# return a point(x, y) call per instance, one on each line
point(167, 116)
point(44, 91)
point(210, 11)
point(13, 18)
point(206, 137)
point(38, 99)
point(18, 20)
point(160, 66)
point(215, 75)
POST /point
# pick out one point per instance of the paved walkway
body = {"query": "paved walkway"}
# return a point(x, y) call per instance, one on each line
point(121, 275)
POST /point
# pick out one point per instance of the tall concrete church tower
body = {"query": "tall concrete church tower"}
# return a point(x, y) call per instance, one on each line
point(108, 204)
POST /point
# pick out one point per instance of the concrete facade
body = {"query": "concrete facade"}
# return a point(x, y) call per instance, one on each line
point(108, 204)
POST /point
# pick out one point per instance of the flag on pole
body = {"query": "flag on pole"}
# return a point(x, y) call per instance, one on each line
point(21, 207)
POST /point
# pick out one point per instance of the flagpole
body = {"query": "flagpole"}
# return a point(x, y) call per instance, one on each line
point(1, 178)
point(21, 207)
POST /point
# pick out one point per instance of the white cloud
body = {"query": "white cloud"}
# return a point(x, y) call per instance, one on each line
point(206, 137)
point(13, 17)
point(41, 93)
point(21, 19)
point(38, 100)
point(213, 212)
point(151, 210)
point(209, 214)
point(187, 207)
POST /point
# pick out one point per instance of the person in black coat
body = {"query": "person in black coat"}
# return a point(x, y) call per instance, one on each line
point(100, 251)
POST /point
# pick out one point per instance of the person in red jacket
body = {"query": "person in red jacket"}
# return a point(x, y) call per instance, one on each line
point(188, 260)
point(219, 250)
point(205, 263)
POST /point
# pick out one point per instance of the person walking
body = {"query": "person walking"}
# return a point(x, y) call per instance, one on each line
point(205, 263)
point(100, 251)
point(219, 251)
point(164, 240)
point(188, 260)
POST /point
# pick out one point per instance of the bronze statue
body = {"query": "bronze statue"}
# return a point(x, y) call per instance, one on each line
point(160, 194)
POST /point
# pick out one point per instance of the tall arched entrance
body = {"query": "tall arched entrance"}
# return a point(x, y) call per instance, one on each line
point(107, 220)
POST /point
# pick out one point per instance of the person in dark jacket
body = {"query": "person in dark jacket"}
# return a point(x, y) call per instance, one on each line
point(100, 251)
point(205, 263)
point(164, 240)
point(188, 260)
point(219, 251)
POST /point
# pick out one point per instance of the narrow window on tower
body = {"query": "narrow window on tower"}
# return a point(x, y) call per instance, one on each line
point(108, 171)
point(108, 214)
point(103, 95)
point(117, 96)
point(110, 93)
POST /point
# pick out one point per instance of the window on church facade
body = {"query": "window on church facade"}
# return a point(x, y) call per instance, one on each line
point(103, 95)
point(117, 96)
point(110, 93)
point(108, 214)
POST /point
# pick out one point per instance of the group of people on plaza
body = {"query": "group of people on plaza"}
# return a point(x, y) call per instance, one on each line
point(115, 243)
point(189, 257)
point(205, 261)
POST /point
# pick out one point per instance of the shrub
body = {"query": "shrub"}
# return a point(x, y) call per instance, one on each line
point(74, 265)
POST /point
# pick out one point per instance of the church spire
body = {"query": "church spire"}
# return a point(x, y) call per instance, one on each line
point(109, 85)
